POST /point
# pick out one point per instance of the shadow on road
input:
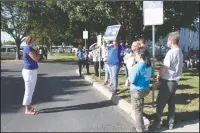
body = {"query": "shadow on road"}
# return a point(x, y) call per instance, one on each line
point(12, 90)
point(7, 70)
point(87, 106)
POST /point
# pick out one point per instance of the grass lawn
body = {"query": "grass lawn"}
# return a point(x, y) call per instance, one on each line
point(187, 96)
point(58, 57)
point(63, 57)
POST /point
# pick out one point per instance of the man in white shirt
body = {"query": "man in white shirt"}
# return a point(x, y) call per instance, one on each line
point(94, 54)
point(169, 75)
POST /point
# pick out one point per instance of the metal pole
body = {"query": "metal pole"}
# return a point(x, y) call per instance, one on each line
point(153, 48)
point(100, 61)
point(85, 44)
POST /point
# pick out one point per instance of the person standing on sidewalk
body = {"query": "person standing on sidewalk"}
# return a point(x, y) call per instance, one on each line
point(94, 54)
point(29, 73)
point(104, 56)
point(169, 75)
point(81, 59)
point(131, 59)
point(139, 79)
point(114, 62)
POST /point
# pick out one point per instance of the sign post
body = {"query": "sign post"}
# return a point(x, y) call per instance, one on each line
point(155, 8)
point(99, 43)
point(85, 36)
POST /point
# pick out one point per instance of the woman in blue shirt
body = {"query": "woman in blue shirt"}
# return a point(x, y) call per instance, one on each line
point(114, 62)
point(29, 73)
point(139, 86)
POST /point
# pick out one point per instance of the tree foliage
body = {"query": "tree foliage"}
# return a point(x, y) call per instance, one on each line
point(54, 22)
point(14, 21)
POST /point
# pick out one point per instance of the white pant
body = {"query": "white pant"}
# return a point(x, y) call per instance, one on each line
point(30, 79)
point(129, 69)
point(129, 72)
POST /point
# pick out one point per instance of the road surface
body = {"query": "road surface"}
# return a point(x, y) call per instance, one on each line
point(68, 102)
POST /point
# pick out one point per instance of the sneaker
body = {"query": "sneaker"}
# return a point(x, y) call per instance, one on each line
point(114, 92)
point(171, 126)
point(106, 83)
point(110, 84)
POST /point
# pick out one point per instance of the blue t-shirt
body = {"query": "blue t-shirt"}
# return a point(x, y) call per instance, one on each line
point(29, 63)
point(114, 55)
point(81, 54)
point(140, 77)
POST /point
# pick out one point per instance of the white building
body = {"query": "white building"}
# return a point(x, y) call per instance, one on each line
point(188, 40)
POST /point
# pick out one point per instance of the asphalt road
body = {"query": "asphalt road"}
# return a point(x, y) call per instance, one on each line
point(68, 102)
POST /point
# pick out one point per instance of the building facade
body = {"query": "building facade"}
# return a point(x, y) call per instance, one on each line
point(188, 40)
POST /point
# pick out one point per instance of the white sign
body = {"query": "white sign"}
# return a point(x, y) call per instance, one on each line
point(111, 32)
point(99, 40)
point(153, 12)
point(85, 34)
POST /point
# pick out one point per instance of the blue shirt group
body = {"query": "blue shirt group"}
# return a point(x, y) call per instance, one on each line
point(29, 63)
point(114, 55)
point(140, 77)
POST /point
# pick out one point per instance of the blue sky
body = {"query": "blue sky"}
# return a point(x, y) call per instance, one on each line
point(5, 36)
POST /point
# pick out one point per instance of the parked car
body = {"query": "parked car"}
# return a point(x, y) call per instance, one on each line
point(9, 52)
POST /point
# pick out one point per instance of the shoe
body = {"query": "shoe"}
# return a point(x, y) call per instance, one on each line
point(171, 126)
point(110, 85)
point(154, 126)
point(106, 83)
point(114, 92)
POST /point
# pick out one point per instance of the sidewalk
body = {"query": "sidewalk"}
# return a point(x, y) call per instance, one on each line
point(192, 126)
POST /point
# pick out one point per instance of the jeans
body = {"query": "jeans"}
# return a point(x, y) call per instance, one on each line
point(166, 95)
point(114, 70)
point(30, 79)
point(137, 101)
point(107, 72)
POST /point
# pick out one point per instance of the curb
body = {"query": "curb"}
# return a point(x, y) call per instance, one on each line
point(11, 61)
point(121, 103)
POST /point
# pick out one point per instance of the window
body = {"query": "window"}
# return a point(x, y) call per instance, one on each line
point(3, 49)
point(190, 34)
point(193, 34)
point(184, 31)
point(197, 35)
point(183, 48)
point(10, 49)
point(188, 48)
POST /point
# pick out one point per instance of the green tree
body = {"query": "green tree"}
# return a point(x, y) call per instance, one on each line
point(14, 21)
point(49, 23)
